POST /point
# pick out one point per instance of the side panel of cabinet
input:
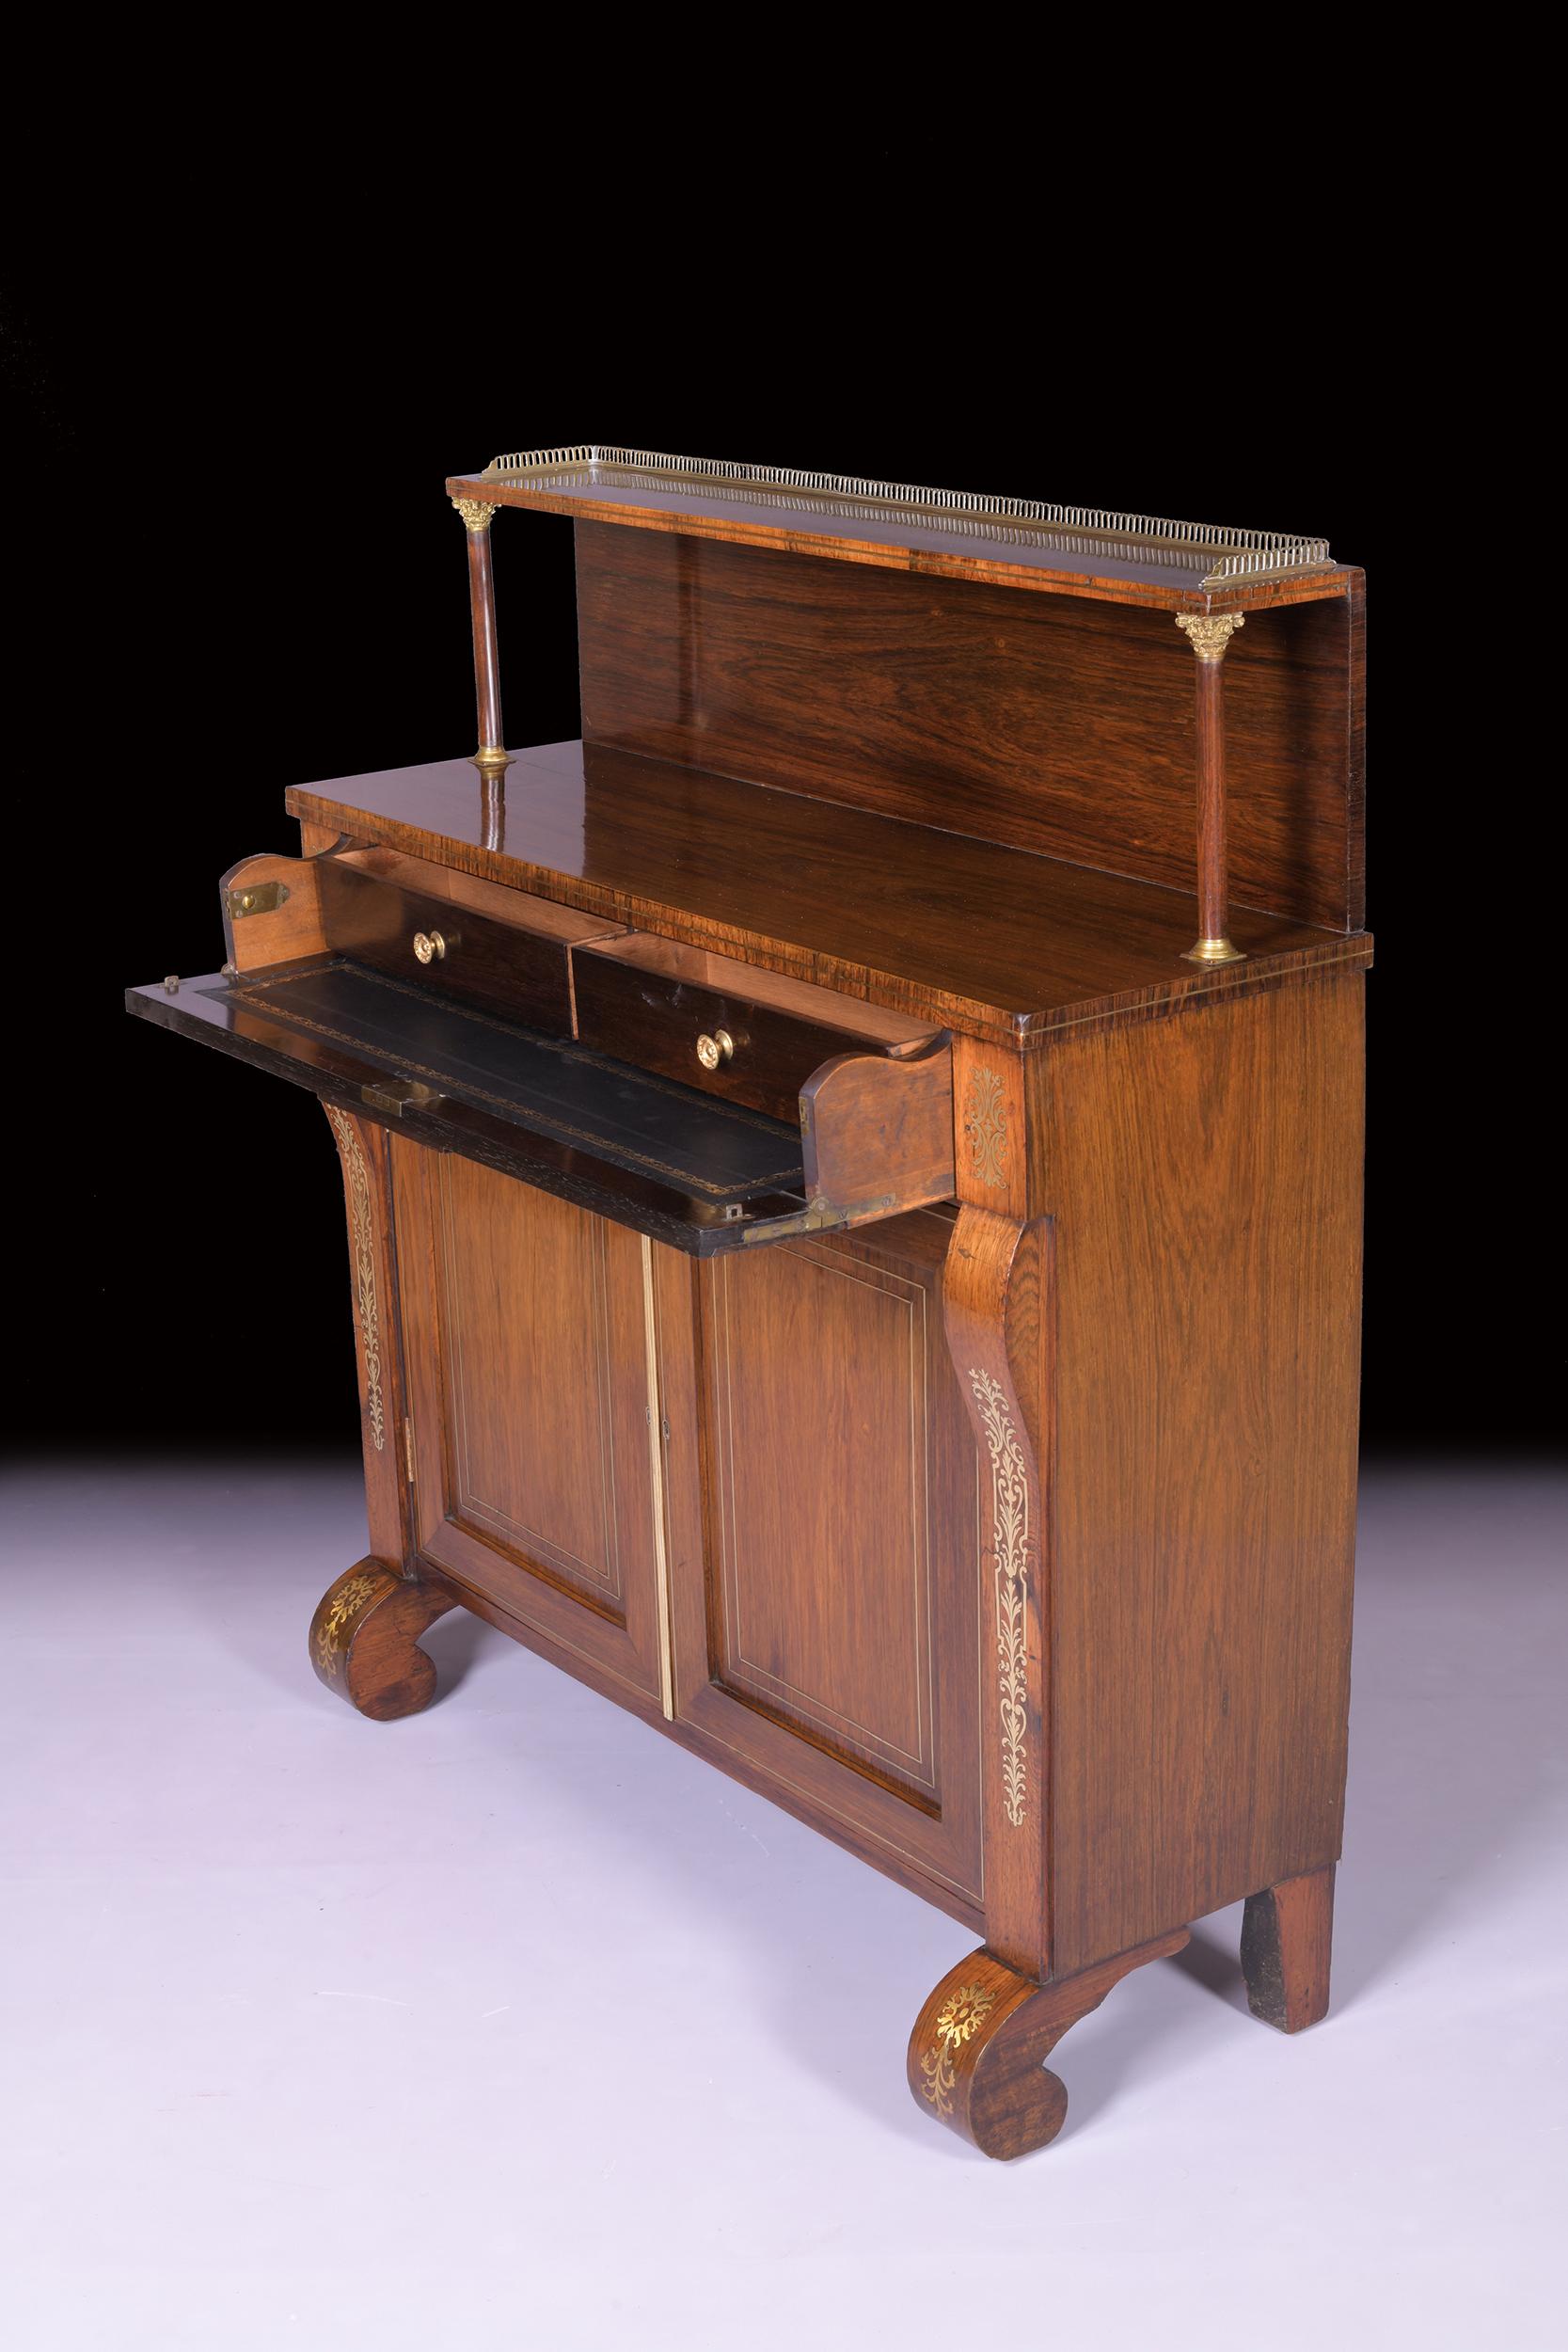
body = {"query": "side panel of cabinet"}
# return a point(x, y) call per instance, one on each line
point(1204, 1172)
point(824, 1538)
point(525, 1321)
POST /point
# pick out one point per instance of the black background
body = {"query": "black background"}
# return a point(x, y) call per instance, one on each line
point(238, 570)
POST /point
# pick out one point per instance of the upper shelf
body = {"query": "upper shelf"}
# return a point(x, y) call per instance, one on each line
point(1131, 559)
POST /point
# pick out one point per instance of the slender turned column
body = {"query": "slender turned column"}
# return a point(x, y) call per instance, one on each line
point(477, 514)
point(1210, 634)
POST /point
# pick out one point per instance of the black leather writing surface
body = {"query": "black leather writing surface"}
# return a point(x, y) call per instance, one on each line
point(645, 1150)
point(650, 1124)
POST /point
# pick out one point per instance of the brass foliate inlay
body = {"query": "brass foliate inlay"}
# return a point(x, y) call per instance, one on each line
point(1009, 1503)
point(345, 1607)
point(477, 514)
point(362, 1222)
point(1211, 632)
point(959, 2020)
point(986, 1126)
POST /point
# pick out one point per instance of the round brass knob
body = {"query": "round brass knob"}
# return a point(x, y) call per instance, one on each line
point(712, 1050)
point(428, 945)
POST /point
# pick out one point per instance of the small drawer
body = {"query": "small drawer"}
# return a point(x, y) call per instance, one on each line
point(724, 1028)
point(409, 922)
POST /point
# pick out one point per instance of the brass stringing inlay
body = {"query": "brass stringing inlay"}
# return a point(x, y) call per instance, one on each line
point(986, 1125)
point(1009, 1503)
point(364, 1266)
point(347, 1603)
point(959, 2020)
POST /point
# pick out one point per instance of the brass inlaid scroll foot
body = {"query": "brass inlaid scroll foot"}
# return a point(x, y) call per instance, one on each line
point(1213, 951)
point(364, 1640)
point(978, 2052)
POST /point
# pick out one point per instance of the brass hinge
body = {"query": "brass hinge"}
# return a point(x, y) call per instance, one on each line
point(398, 1095)
point(255, 899)
point(408, 1447)
point(818, 1217)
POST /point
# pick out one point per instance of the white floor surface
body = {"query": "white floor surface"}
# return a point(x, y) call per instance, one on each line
point(513, 2026)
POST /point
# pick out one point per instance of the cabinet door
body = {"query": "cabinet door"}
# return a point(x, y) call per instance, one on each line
point(823, 1532)
point(526, 1322)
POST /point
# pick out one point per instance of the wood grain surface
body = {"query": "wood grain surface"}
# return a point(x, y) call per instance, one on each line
point(530, 1403)
point(877, 1134)
point(1287, 1947)
point(1204, 1177)
point(292, 928)
point(977, 2055)
point(1049, 725)
point(652, 1001)
point(363, 1639)
point(822, 1497)
point(987, 940)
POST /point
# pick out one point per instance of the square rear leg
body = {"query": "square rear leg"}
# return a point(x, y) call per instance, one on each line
point(1287, 1940)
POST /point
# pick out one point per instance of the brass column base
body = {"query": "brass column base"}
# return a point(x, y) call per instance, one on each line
point(490, 755)
point(1213, 951)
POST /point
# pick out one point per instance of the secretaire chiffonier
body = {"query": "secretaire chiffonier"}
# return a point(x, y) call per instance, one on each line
point(853, 1179)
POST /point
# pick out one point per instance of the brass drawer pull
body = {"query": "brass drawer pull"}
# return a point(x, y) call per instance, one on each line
point(428, 945)
point(712, 1050)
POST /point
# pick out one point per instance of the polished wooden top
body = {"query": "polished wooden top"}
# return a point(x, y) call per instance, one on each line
point(1028, 542)
point(968, 934)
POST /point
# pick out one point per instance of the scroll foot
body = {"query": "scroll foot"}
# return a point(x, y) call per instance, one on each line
point(364, 1640)
point(978, 2052)
point(1287, 1941)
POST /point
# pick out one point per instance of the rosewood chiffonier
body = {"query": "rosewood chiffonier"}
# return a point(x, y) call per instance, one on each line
point(853, 1177)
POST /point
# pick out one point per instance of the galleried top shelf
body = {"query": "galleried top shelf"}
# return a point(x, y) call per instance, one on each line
point(1025, 543)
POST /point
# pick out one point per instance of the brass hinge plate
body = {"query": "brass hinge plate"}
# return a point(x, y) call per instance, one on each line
point(399, 1095)
point(263, 897)
point(408, 1448)
point(821, 1215)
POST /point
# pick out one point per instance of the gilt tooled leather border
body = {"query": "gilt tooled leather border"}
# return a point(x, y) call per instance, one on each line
point(680, 1179)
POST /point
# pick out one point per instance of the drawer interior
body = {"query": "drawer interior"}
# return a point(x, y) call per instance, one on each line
point(497, 900)
point(693, 1097)
point(513, 959)
point(725, 976)
point(744, 1035)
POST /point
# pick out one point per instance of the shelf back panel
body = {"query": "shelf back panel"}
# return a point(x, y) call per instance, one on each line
point(1049, 724)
